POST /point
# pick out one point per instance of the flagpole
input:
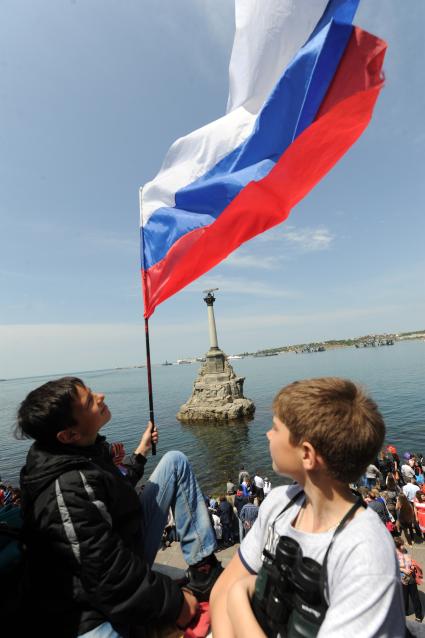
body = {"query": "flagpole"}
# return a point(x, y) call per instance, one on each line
point(150, 394)
point(148, 350)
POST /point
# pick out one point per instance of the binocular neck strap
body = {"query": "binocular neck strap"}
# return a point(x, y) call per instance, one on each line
point(345, 520)
point(292, 502)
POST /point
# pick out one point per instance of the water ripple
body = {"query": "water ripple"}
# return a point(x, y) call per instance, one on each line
point(394, 376)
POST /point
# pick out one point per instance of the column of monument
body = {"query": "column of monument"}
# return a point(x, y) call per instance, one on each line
point(217, 391)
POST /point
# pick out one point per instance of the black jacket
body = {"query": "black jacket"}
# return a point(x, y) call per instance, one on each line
point(240, 501)
point(225, 512)
point(82, 524)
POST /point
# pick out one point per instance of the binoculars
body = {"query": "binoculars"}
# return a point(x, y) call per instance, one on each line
point(288, 599)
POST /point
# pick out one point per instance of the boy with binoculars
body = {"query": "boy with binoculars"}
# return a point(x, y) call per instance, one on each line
point(316, 562)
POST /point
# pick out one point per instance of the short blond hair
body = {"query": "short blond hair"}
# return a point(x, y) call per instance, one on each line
point(340, 421)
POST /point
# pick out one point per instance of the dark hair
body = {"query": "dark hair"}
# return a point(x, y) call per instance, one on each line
point(390, 481)
point(340, 421)
point(405, 514)
point(47, 410)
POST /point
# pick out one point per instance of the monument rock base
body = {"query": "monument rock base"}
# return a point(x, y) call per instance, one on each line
point(217, 393)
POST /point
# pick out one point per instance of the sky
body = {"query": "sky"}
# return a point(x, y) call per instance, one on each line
point(92, 94)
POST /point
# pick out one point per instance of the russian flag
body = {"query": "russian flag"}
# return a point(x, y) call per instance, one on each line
point(303, 85)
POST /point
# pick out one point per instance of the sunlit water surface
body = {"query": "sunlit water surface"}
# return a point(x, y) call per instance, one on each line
point(394, 375)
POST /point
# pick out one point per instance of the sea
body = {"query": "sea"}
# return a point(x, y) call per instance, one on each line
point(393, 375)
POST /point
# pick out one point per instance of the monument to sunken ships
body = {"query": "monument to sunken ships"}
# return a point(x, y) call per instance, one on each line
point(217, 391)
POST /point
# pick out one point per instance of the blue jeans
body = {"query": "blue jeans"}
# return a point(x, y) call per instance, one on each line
point(171, 484)
point(105, 630)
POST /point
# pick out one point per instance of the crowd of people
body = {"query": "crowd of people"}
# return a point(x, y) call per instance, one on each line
point(394, 488)
point(85, 509)
point(233, 512)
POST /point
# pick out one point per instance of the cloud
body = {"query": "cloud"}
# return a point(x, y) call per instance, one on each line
point(301, 239)
point(249, 260)
point(310, 239)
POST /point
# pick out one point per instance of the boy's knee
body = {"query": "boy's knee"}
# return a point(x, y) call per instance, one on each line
point(176, 459)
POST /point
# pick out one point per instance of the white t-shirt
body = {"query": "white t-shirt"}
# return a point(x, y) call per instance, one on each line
point(372, 471)
point(217, 527)
point(410, 490)
point(258, 482)
point(365, 598)
point(407, 471)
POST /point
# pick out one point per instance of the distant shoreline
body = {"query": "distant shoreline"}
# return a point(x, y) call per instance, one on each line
point(313, 346)
point(371, 340)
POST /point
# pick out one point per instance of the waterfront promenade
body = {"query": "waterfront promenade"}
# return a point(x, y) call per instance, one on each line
point(170, 561)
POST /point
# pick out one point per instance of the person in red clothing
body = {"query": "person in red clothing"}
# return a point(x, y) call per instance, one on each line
point(408, 582)
point(419, 505)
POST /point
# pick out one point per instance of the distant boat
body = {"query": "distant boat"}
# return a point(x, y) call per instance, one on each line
point(167, 363)
point(182, 361)
point(313, 348)
point(235, 356)
point(265, 354)
point(374, 342)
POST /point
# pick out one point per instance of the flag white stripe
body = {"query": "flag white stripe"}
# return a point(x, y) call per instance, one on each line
point(268, 35)
point(192, 156)
point(274, 36)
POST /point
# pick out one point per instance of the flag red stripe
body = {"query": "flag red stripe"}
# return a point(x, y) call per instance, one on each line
point(343, 116)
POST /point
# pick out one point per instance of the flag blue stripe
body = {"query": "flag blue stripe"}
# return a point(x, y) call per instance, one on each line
point(291, 108)
point(339, 10)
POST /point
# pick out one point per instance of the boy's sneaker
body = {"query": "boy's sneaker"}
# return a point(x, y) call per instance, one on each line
point(202, 577)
